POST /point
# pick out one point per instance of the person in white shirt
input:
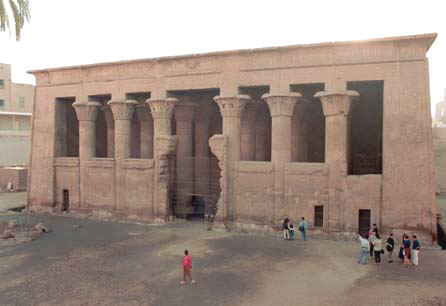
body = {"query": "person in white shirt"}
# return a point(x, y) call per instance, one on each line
point(364, 250)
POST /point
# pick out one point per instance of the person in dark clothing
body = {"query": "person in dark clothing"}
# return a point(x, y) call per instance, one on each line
point(390, 245)
point(291, 231)
point(285, 228)
point(406, 245)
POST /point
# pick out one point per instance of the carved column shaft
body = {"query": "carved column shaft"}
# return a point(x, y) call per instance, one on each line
point(202, 162)
point(231, 110)
point(248, 132)
point(336, 106)
point(86, 114)
point(184, 116)
point(122, 114)
point(281, 108)
point(164, 145)
point(110, 131)
point(146, 131)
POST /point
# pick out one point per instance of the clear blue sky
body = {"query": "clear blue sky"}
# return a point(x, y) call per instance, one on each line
point(69, 32)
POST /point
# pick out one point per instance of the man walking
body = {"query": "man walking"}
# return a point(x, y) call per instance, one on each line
point(303, 228)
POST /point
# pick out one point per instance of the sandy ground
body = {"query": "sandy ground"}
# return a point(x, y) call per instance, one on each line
point(110, 263)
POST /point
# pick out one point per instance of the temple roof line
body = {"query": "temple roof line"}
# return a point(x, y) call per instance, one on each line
point(429, 36)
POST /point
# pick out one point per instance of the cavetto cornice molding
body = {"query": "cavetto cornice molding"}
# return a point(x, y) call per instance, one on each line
point(426, 39)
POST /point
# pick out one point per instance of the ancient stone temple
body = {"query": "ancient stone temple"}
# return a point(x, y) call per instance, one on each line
point(339, 133)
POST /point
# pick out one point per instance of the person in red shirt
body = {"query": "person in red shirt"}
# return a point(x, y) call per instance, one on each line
point(187, 268)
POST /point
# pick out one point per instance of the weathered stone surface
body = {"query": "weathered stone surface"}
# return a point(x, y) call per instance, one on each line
point(255, 184)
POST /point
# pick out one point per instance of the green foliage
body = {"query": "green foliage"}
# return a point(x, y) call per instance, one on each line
point(20, 13)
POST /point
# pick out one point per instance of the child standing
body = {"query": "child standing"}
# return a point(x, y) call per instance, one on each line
point(187, 268)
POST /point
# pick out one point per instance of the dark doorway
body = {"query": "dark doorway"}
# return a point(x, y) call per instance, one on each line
point(364, 222)
point(319, 216)
point(198, 205)
point(66, 200)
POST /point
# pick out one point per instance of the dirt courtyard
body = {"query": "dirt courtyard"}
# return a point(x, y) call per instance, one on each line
point(88, 262)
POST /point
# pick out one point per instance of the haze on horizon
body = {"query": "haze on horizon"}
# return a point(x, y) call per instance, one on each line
point(66, 33)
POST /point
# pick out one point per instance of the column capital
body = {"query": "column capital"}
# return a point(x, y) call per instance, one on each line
point(86, 111)
point(281, 104)
point(337, 102)
point(232, 106)
point(142, 112)
point(185, 111)
point(162, 108)
point(122, 110)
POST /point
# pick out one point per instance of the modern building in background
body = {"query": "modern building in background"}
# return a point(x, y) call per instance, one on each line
point(16, 103)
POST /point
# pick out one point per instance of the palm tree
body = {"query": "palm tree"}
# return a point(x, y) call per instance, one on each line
point(20, 13)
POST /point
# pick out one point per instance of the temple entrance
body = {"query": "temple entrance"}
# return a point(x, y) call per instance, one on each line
point(195, 185)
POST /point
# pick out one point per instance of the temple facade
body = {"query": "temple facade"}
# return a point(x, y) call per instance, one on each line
point(339, 133)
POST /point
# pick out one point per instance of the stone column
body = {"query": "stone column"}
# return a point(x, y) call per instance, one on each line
point(281, 108)
point(122, 114)
point(261, 135)
point(164, 146)
point(86, 115)
point(336, 106)
point(202, 160)
point(299, 133)
point(146, 126)
point(231, 110)
point(162, 111)
point(184, 116)
point(110, 131)
point(248, 132)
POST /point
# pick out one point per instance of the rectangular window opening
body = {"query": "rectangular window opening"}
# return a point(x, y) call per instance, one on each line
point(366, 128)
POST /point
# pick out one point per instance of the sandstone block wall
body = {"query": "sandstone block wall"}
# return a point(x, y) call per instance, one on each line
point(401, 197)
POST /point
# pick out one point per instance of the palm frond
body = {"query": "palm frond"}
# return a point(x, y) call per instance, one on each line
point(20, 13)
point(4, 20)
